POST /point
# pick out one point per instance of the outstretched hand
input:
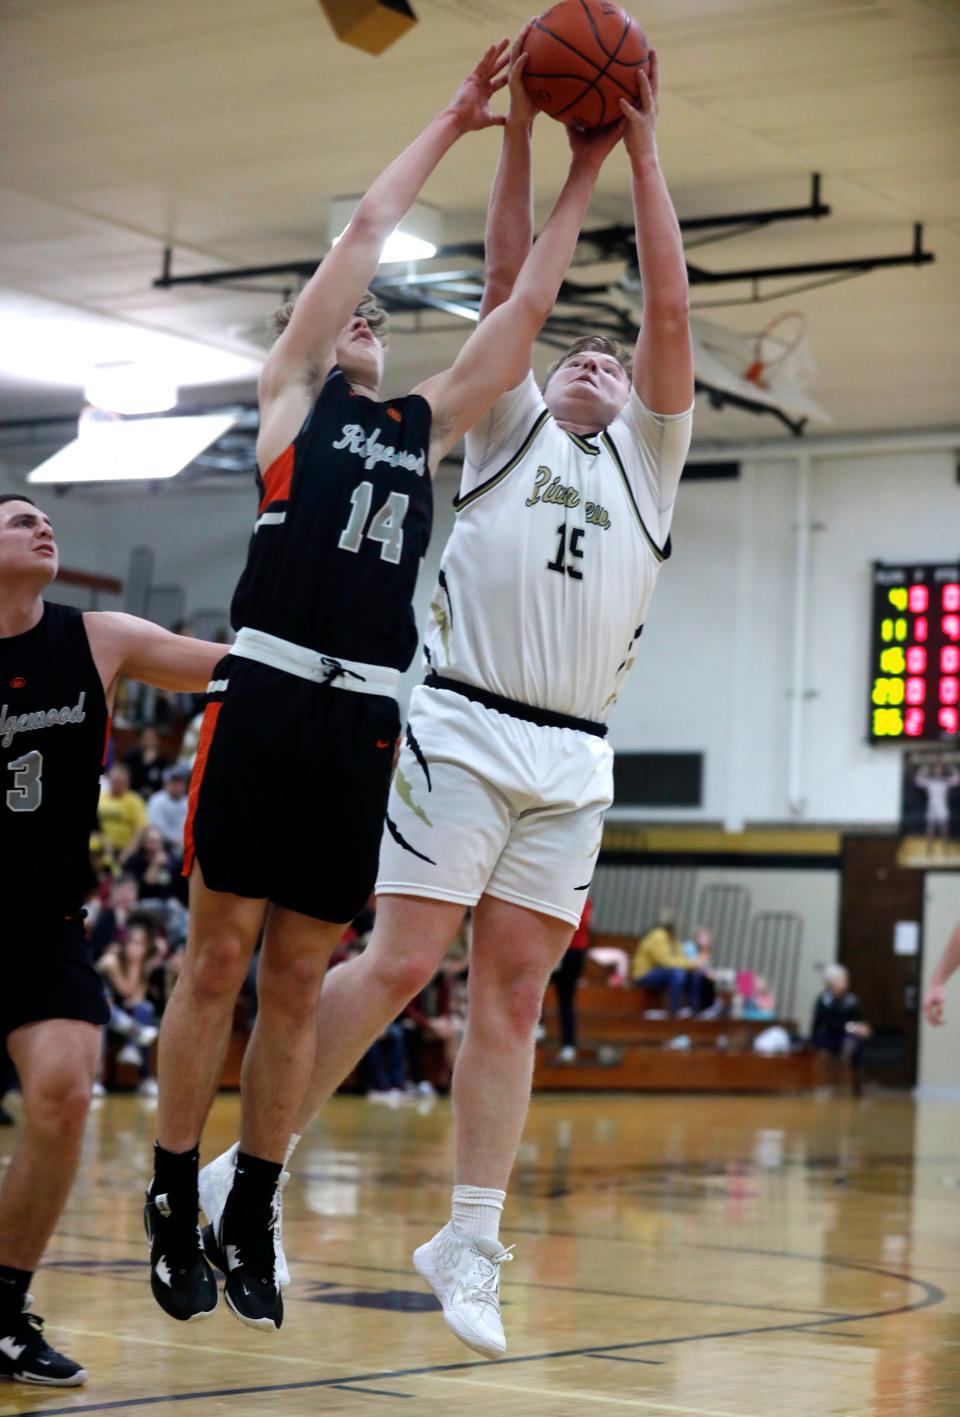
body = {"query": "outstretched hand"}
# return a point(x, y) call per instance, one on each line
point(641, 115)
point(471, 102)
point(933, 1004)
point(594, 145)
point(523, 110)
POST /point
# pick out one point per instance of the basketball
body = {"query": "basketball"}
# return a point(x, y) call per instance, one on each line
point(582, 58)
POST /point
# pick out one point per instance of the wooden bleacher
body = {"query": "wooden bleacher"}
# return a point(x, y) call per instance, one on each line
point(622, 1048)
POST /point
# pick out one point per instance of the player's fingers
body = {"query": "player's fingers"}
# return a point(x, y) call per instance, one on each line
point(628, 110)
point(645, 93)
point(500, 83)
point(654, 73)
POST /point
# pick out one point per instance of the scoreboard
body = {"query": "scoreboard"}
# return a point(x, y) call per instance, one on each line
point(915, 653)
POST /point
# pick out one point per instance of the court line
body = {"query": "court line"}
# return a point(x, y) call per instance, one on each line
point(256, 1354)
point(592, 1397)
point(932, 1295)
point(622, 1358)
point(371, 1391)
point(354, 1267)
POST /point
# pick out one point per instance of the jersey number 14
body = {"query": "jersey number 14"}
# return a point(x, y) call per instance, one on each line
point(386, 526)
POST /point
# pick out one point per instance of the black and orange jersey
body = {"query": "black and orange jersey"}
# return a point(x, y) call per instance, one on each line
point(344, 520)
point(53, 728)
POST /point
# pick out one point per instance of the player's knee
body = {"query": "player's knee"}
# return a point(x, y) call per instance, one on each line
point(402, 975)
point(520, 1002)
point(293, 988)
point(57, 1105)
point(217, 969)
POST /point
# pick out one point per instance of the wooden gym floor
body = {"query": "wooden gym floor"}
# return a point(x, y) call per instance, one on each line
point(711, 1257)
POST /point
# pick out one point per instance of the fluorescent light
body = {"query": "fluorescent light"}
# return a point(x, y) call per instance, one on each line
point(415, 239)
point(130, 388)
point(50, 343)
point(144, 448)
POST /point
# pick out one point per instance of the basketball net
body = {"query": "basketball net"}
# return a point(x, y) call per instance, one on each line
point(781, 352)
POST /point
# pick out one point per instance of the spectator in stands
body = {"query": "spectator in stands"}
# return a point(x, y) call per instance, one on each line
point(110, 925)
point(167, 809)
point(439, 1015)
point(122, 814)
point(146, 763)
point(838, 1026)
point(565, 978)
point(155, 867)
point(126, 967)
point(385, 1065)
point(699, 948)
point(660, 963)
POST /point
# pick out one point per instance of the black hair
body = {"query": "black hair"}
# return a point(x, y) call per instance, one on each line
point(16, 497)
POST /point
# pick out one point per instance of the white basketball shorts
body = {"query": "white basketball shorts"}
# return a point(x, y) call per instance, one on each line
point(485, 803)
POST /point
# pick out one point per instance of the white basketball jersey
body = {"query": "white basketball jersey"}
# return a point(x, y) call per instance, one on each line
point(545, 581)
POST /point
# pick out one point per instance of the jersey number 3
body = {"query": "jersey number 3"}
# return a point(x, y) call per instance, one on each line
point(386, 526)
point(27, 794)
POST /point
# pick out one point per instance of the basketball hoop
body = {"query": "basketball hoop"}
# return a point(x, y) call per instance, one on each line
point(780, 348)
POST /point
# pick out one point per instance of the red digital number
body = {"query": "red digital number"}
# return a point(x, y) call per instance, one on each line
point(917, 660)
point(920, 628)
point(949, 597)
point(950, 625)
point(916, 691)
point(949, 659)
point(914, 721)
point(950, 690)
point(919, 598)
point(949, 719)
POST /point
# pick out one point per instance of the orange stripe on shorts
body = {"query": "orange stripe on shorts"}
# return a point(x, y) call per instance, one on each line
point(210, 715)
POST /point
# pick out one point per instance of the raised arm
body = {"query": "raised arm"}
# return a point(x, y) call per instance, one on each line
point(497, 355)
point(332, 294)
point(663, 364)
point(509, 231)
point(138, 649)
point(948, 964)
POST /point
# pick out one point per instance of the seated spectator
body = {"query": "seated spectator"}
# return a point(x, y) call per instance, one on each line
point(145, 763)
point(156, 868)
point(439, 1013)
point(700, 948)
point(126, 967)
point(565, 979)
point(660, 963)
point(167, 809)
point(385, 1065)
point(110, 926)
point(838, 1027)
point(122, 814)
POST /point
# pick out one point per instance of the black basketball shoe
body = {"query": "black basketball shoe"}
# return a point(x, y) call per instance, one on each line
point(183, 1283)
point(26, 1356)
point(244, 1250)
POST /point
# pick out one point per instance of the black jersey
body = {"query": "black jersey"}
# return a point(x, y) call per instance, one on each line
point(344, 520)
point(53, 729)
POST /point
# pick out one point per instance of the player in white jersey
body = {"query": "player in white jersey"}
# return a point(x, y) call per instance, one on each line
point(504, 775)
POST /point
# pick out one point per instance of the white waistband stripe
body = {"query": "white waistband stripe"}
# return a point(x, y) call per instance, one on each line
point(270, 519)
point(338, 672)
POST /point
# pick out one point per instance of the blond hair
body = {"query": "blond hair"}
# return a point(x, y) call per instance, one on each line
point(369, 308)
point(602, 344)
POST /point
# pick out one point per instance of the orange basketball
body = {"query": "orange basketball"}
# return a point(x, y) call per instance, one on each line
point(582, 57)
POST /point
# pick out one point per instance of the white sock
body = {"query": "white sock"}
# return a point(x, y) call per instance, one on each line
point(291, 1148)
point(476, 1212)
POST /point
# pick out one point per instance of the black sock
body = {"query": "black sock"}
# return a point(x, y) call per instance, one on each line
point(254, 1184)
point(14, 1284)
point(175, 1171)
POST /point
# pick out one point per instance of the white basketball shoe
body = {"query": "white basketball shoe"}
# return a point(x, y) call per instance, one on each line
point(465, 1276)
point(215, 1181)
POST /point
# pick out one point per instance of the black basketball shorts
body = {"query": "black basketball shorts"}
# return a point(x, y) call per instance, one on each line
point(289, 790)
point(47, 974)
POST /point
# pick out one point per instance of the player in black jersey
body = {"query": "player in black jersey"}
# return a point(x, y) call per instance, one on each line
point(295, 757)
point(58, 669)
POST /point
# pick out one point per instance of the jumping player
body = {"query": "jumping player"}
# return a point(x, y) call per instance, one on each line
point(295, 757)
point(563, 523)
point(58, 670)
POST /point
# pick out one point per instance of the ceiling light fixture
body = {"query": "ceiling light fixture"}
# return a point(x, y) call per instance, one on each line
point(415, 239)
point(141, 449)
